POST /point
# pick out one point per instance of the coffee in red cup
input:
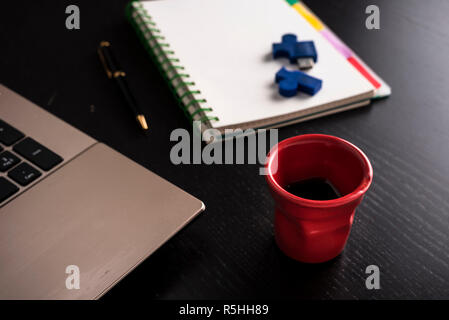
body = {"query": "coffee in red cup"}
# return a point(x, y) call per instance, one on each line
point(317, 182)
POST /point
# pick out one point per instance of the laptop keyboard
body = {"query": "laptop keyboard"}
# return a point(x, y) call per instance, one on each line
point(15, 161)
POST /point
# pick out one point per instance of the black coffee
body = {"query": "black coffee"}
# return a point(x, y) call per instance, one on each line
point(314, 189)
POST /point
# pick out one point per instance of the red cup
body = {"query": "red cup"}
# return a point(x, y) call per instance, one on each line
point(315, 231)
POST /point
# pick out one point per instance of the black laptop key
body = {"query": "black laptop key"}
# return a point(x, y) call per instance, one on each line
point(37, 154)
point(8, 134)
point(7, 161)
point(24, 174)
point(7, 189)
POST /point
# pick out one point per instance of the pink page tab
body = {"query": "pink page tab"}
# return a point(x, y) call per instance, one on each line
point(340, 46)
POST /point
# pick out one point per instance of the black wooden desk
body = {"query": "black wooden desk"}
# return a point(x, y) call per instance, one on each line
point(229, 252)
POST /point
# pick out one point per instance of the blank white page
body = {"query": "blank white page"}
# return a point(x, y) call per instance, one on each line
point(225, 46)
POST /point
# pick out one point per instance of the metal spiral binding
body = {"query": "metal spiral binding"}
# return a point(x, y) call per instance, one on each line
point(188, 96)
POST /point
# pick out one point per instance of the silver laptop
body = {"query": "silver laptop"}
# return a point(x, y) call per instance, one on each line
point(75, 215)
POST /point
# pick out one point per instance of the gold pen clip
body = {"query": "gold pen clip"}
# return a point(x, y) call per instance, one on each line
point(102, 59)
point(119, 74)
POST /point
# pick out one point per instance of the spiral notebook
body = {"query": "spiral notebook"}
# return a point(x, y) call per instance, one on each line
point(216, 58)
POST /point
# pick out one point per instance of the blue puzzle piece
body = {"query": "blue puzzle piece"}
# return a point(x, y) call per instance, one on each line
point(293, 49)
point(290, 82)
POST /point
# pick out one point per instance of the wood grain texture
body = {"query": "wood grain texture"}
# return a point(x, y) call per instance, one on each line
point(229, 252)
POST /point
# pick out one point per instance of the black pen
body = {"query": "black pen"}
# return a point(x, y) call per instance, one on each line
point(113, 71)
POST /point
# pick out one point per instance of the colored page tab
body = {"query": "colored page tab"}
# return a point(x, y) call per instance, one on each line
point(309, 16)
point(340, 46)
point(364, 72)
